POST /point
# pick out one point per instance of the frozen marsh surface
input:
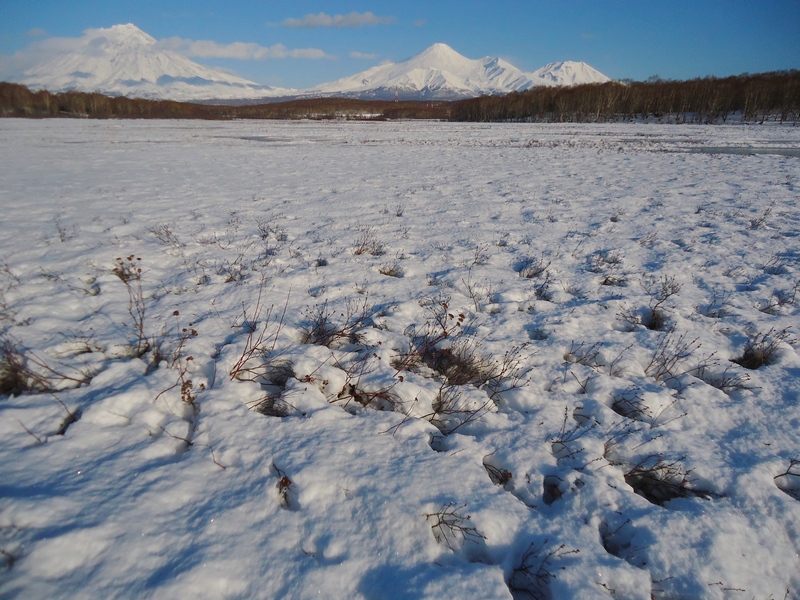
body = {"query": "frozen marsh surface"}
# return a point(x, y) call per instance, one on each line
point(398, 360)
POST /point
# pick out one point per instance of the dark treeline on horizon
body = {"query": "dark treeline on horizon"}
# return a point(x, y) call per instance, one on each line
point(18, 101)
point(752, 98)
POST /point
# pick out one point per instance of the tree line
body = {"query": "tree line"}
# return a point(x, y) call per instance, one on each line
point(749, 98)
point(19, 101)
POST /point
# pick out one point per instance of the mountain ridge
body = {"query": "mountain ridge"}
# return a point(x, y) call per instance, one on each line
point(439, 72)
point(123, 60)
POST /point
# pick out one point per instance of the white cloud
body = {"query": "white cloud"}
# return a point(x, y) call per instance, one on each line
point(363, 55)
point(237, 50)
point(36, 32)
point(353, 19)
point(14, 66)
point(90, 43)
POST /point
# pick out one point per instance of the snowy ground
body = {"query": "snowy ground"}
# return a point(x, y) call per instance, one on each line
point(398, 360)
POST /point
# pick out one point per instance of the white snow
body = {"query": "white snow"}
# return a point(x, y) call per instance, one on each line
point(341, 500)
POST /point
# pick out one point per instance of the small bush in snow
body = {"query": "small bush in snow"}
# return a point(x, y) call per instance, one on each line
point(274, 377)
point(260, 342)
point(15, 376)
point(670, 353)
point(537, 567)
point(366, 393)
point(659, 480)
point(451, 528)
point(761, 348)
point(726, 381)
point(129, 272)
point(779, 299)
point(718, 306)
point(498, 475)
point(22, 370)
point(326, 327)
point(588, 356)
point(660, 290)
point(562, 444)
point(761, 221)
point(789, 481)
point(285, 488)
point(452, 409)
point(391, 270)
point(165, 235)
point(367, 242)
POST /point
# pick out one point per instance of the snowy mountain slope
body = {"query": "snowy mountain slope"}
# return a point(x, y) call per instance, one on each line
point(441, 72)
point(123, 60)
point(568, 73)
point(437, 72)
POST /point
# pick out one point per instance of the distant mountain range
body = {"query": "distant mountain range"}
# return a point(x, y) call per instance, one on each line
point(440, 72)
point(125, 61)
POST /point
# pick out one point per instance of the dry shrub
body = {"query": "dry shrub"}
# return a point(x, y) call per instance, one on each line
point(761, 348)
point(326, 327)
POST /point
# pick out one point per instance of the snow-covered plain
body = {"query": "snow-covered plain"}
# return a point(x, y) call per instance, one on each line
point(501, 461)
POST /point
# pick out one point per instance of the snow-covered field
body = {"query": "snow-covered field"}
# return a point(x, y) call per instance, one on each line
point(398, 360)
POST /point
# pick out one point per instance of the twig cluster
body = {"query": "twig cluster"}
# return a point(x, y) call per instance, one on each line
point(761, 348)
point(537, 568)
point(130, 273)
point(325, 326)
point(671, 352)
point(367, 242)
point(358, 390)
point(451, 528)
point(22, 370)
point(660, 480)
point(789, 481)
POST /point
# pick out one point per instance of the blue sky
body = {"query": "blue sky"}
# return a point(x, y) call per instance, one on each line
point(303, 43)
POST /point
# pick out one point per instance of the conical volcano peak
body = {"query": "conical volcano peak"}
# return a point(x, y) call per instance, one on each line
point(439, 49)
point(438, 56)
point(126, 33)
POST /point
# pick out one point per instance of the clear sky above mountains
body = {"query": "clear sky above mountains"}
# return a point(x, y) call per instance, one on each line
point(304, 43)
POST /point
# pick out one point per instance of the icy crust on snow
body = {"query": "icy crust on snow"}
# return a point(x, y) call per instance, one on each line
point(601, 471)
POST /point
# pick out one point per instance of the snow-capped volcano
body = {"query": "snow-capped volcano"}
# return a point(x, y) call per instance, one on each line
point(123, 60)
point(442, 73)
